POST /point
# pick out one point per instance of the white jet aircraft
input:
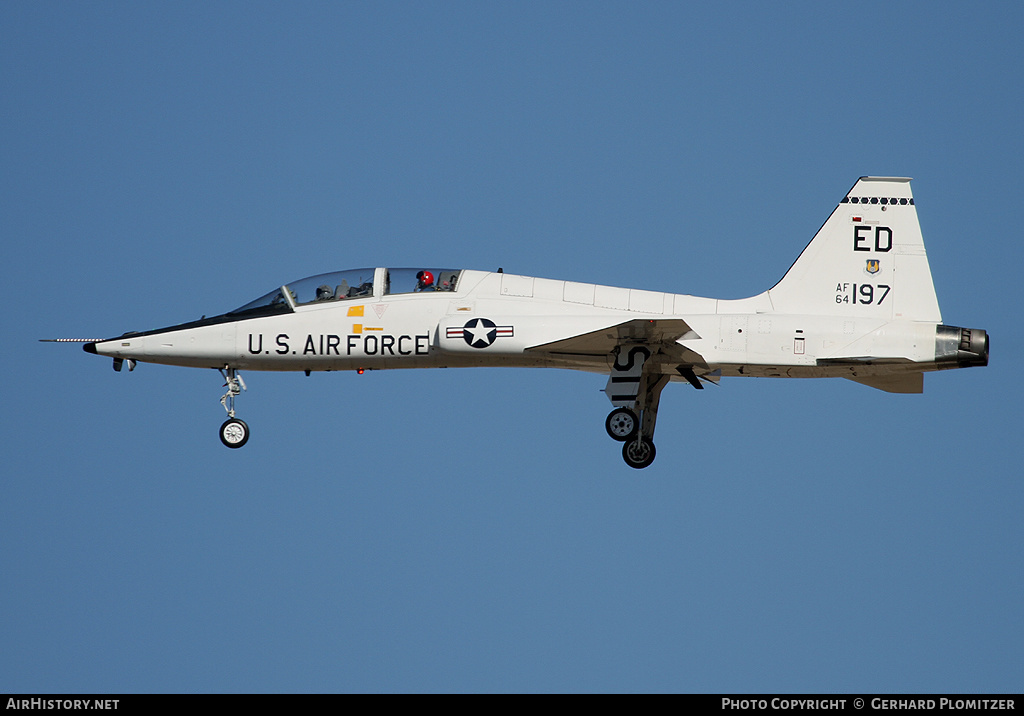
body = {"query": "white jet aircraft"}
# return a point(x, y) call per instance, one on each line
point(858, 303)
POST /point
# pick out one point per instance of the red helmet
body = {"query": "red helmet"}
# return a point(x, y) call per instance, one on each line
point(425, 278)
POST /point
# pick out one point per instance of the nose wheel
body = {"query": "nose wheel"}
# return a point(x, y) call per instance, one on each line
point(234, 432)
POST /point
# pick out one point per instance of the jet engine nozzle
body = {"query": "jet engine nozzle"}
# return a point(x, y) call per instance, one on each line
point(961, 346)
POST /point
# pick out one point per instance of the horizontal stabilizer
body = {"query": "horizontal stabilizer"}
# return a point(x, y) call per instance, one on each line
point(898, 383)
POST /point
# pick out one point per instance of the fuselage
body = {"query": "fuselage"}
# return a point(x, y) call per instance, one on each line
point(498, 319)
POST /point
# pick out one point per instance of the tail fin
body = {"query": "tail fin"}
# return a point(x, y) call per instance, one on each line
point(868, 260)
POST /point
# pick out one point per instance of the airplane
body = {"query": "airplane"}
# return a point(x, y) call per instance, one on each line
point(858, 303)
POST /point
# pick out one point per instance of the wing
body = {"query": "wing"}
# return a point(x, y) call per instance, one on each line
point(661, 336)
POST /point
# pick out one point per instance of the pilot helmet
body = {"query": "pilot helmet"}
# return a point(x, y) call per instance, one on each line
point(425, 278)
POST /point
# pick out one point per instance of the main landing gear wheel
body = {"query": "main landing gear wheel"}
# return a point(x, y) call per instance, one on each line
point(234, 433)
point(622, 424)
point(638, 453)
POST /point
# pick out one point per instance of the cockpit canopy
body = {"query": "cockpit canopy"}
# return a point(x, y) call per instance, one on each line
point(352, 284)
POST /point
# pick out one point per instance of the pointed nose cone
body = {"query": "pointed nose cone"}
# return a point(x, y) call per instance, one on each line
point(124, 347)
point(203, 344)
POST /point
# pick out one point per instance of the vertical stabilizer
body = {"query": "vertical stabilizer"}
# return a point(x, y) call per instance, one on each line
point(868, 260)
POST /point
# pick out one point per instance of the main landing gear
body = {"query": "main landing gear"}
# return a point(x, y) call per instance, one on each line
point(622, 424)
point(234, 432)
point(639, 452)
point(638, 448)
point(636, 394)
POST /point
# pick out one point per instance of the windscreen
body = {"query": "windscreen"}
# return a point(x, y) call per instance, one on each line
point(336, 286)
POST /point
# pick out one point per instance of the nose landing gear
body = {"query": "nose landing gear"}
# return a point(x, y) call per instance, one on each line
point(234, 432)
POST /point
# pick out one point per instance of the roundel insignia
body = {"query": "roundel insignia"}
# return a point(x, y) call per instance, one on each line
point(480, 333)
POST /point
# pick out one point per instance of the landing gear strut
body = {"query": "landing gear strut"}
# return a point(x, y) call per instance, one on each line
point(234, 432)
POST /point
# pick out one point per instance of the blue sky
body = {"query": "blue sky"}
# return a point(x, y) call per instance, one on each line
point(476, 530)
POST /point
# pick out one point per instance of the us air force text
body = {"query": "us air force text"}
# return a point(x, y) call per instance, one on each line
point(329, 344)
